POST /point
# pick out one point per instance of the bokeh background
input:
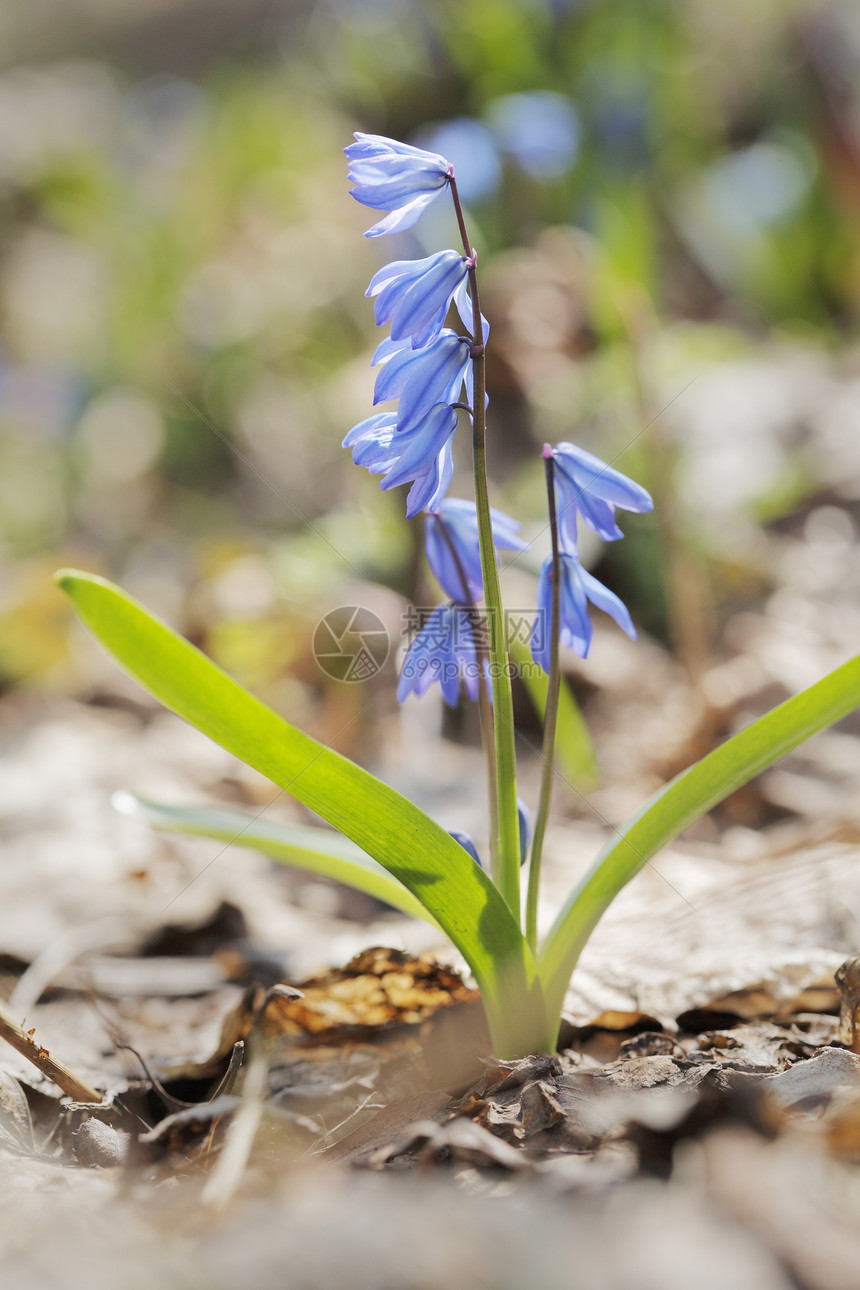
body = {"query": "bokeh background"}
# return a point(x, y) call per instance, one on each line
point(666, 201)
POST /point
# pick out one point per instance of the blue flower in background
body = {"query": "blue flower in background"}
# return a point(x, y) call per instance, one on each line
point(420, 377)
point(525, 819)
point(458, 518)
point(424, 459)
point(576, 588)
point(467, 843)
point(540, 129)
point(421, 456)
point(444, 650)
point(414, 295)
point(392, 176)
point(592, 488)
point(473, 153)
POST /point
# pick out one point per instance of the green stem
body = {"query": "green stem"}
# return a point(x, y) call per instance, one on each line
point(550, 719)
point(505, 835)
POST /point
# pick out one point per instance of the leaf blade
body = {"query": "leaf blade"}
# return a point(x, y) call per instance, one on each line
point(687, 797)
point(319, 851)
point(455, 891)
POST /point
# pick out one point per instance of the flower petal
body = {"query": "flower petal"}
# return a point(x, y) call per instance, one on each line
point(607, 600)
point(395, 177)
point(400, 220)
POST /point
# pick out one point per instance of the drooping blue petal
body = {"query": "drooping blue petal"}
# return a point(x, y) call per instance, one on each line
point(371, 440)
point(398, 221)
point(395, 191)
point(444, 650)
point(574, 500)
point(607, 600)
point(420, 377)
point(421, 311)
point(379, 146)
point(467, 843)
point(576, 588)
point(395, 360)
point(395, 177)
point(463, 305)
point(414, 295)
point(422, 457)
point(444, 565)
point(594, 489)
point(427, 385)
point(574, 624)
point(420, 446)
point(576, 630)
point(430, 487)
point(525, 820)
point(460, 522)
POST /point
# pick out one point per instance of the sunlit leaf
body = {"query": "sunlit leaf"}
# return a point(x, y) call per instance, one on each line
point(406, 842)
point(689, 796)
point(319, 851)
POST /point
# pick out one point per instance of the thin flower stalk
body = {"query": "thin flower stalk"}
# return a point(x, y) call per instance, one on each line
point(504, 840)
point(550, 714)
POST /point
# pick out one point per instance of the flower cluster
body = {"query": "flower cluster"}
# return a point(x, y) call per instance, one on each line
point(392, 176)
point(588, 487)
point(425, 366)
point(448, 647)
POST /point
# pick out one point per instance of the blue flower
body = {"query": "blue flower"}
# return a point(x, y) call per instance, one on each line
point(414, 295)
point(524, 816)
point(473, 154)
point(540, 129)
point(463, 304)
point(593, 488)
point(392, 176)
point(421, 377)
point(370, 442)
point(421, 456)
point(467, 843)
point(458, 519)
point(444, 651)
point(576, 588)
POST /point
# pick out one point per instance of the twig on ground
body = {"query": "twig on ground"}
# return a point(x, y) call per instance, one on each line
point(24, 1043)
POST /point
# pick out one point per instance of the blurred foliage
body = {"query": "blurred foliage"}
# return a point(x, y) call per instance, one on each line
point(656, 187)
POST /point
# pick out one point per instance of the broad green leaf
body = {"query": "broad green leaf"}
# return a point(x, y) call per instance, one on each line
point(318, 850)
point(574, 751)
point(457, 894)
point(689, 796)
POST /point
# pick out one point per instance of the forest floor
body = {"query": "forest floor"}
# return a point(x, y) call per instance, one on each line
point(701, 1120)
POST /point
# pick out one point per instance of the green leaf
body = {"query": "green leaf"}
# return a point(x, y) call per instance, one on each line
point(318, 850)
point(574, 750)
point(689, 796)
point(457, 894)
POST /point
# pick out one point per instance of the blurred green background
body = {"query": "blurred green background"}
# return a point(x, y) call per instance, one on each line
point(660, 192)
